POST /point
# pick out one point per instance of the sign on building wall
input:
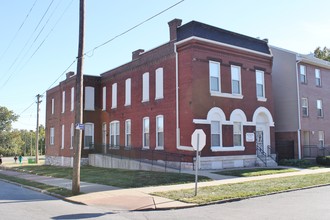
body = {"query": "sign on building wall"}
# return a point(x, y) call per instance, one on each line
point(249, 137)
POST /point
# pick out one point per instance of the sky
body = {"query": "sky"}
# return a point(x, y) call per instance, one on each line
point(39, 38)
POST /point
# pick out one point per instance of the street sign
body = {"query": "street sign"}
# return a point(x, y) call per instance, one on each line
point(198, 139)
point(80, 126)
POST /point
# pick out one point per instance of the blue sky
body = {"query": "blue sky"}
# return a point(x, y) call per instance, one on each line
point(33, 57)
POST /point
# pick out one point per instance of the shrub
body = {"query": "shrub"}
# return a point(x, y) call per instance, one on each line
point(323, 160)
point(295, 163)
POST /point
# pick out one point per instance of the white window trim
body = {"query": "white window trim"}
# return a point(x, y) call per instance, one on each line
point(219, 77)
point(53, 106)
point(227, 95)
point(104, 133)
point(305, 74)
point(319, 72)
point(63, 101)
point(71, 135)
point(261, 98)
point(92, 124)
point(159, 90)
point(242, 131)
point(114, 134)
point(145, 87)
point(239, 79)
point(126, 133)
point(317, 108)
point(51, 136)
point(72, 99)
point(89, 98)
point(62, 136)
point(104, 98)
point(145, 147)
point(302, 107)
point(128, 96)
point(114, 96)
point(160, 147)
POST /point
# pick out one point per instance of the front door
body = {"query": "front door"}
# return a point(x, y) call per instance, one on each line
point(260, 139)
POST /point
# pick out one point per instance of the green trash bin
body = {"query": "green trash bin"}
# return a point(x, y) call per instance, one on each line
point(31, 160)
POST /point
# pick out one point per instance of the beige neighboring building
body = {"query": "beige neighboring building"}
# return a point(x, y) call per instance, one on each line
point(301, 89)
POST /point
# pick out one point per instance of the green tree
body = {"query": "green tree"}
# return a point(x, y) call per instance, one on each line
point(323, 54)
point(10, 141)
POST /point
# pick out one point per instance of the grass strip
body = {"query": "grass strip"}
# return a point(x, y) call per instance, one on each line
point(51, 189)
point(255, 172)
point(113, 177)
point(214, 194)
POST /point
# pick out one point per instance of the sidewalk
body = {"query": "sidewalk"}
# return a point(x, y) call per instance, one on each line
point(111, 198)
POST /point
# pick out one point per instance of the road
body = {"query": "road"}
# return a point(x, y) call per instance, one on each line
point(17, 202)
point(21, 203)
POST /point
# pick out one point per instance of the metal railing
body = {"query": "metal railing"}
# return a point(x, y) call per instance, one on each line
point(157, 158)
point(313, 151)
point(271, 152)
point(262, 155)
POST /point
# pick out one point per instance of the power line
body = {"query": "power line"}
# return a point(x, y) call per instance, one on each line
point(132, 28)
point(39, 46)
point(95, 48)
point(12, 40)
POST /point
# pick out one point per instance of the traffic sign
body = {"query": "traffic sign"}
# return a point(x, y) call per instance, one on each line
point(198, 139)
point(80, 126)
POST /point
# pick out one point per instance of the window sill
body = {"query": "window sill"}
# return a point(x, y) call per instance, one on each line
point(145, 148)
point(159, 148)
point(145, 101)
point(262, 99)
point(158, 98)
point(222, 149)
point(227, 95)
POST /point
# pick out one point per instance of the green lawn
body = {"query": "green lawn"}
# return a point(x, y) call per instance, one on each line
point(114, 177)
point(213, 194)
point(254, 172)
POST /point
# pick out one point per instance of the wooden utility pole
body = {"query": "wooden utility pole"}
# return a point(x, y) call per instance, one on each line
point(78, 103)
point(37, 129)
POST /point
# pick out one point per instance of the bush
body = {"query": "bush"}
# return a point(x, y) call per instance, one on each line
point(323, 160)
point(295, 163)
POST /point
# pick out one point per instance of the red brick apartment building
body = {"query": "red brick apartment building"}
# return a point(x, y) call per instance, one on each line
point(203, 78)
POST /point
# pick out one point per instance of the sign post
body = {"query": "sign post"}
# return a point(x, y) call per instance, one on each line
point(198, 141)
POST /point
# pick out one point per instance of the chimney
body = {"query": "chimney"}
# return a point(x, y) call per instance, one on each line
point(173, 25)
point(136, 54)
point(69, 74)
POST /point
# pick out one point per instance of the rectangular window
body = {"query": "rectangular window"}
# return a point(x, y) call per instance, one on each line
point(114, 134)
point(237, 134)
point(52, 133)
point(62, 142)
point(72, 99)
point(319, 108)
point(303, 78)
point(89, 135)
point(89, 98)
point(317, 77)
point(145, 87)
point(63, 101)
point(114, 95)
point(128, 92)
point(160, 132)
point(104, 98)
point(215, 134)
point(72, 135)
point(146, 133)
point(236, 79)
point(214, 71)
point(260, 82)
point(304, 106)
point(321, 138)
point(53, 106)
point(128, 133)
point(159, 84)
point(104, 134)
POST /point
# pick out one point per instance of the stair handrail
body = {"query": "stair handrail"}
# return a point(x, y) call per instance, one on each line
point(262, 155)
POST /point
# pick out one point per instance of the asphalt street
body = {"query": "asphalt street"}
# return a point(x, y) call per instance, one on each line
point(17, 202)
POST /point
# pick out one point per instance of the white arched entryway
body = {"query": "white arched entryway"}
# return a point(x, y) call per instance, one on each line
point(263, 121)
